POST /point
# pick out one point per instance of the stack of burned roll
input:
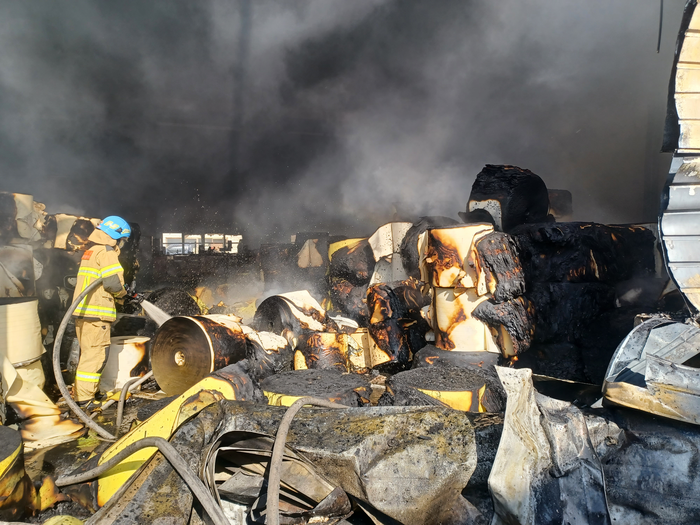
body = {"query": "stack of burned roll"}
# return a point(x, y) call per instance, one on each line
point(478, 286)
point(570, 269)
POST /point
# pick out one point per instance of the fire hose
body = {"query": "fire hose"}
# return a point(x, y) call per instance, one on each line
point(59, 376)
point(205, 497)
point(57, 365)
point(275, 475)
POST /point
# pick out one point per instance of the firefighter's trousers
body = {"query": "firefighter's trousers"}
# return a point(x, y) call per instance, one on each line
point(93, 336)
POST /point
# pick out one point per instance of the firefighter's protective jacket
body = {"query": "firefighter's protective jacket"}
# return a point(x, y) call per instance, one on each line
point(101, 259)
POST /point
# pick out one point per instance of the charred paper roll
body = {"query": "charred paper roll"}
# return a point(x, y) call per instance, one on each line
point(323, 351)
point(469, 389)
point(497, 263)
point(350, 300)
point(187, 349)
point(584, 252)
point(444, 255)
point(409, 245)
point(395, 326)
point(563, 311)
point(454, 325)
point(291, 314)
point(268, 354)
point(346, 389)
point(512, 323)
point(511, 195)
point(352, 260)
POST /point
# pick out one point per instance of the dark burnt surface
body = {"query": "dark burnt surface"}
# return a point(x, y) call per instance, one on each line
point(174, 302)
point(350, 300)
point(77, 239)
point(409, 245)
point(346, 389)
point(560, 360)
point(394, 328)
point(229, 345)
point(431, 355)
point(498, 257)
point(137, 325)
point(354, 263)
point(517, 316)
point(322, 351)
point(266, 362)
point(245, 387)
point(563, 311)
point(523, 194)
point(451, 379)
point(584, 252)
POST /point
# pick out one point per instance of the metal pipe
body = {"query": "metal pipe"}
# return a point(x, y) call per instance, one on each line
point(275, 474)
point(57, 365)
point(193, 482)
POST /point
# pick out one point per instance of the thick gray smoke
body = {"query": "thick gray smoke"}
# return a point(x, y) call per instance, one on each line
point(274, 116)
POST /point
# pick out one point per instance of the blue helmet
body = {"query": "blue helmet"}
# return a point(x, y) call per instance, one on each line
point(116, 227)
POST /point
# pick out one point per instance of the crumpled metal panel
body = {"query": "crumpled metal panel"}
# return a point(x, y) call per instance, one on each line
point(647, 371)
point(408, 463)
point(546, 469)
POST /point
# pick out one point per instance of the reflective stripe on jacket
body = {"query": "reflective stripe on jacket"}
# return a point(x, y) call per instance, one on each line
point(99, 261)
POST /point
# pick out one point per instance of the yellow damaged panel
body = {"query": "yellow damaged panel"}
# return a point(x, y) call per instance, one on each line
point(458, 399)
point(161, 424)
point(280, 400)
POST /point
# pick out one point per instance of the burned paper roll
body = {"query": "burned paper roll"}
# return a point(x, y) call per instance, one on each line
point(584, 252)
point(350, 300)
point(472, 389)
point(431, 355)
point(267, 354)
point(563, 311)
point(511, 322)
point(497, 264)
point(291, 314)
point(352, 260)
point(445, 252)
point(511, 195)
point(323, 351)
point(395, 324)
point(187, 349)
point(127, 358)
point(283, 389)
point(409, 245)
point(17, 277)
point(454, 325)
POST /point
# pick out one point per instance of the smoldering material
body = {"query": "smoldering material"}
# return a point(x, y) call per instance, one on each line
point(345, 389)
point(511, 195)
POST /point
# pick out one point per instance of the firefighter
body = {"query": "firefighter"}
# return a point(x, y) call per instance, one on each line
point(96, 312)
